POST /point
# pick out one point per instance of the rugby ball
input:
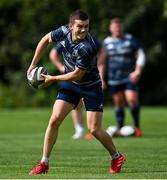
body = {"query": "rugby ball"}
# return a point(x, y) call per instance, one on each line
point(35, 79)
point(127, 131)
point(111, 130)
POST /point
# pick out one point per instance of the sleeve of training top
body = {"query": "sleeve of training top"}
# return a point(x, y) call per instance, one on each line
point(140, 52)
point(141, 58)
point(58, 48)
point(59, 33)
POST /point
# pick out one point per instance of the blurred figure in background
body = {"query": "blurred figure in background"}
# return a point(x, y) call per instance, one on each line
point(124, 58)
point(77, 115)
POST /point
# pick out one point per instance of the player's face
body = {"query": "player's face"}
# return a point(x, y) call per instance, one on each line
point(79, 30)
point(116, 29)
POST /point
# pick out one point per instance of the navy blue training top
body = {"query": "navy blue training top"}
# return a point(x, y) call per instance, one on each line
point(121, 57)
point(82, 55)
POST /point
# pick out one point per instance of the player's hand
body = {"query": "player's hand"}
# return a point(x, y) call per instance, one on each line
point(135, 77)
point(48, 80)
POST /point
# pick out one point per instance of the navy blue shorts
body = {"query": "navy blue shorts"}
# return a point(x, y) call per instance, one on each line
point(122, 87)
point(92, 96)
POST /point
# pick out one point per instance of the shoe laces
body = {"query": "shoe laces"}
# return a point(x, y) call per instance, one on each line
point(40, 166)
point(116, 163)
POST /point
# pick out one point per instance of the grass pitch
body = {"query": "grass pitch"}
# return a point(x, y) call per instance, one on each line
point(21, 140)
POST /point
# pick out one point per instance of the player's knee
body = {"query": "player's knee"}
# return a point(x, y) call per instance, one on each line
point(94, 130)
point(132, 102)
point(55, 122)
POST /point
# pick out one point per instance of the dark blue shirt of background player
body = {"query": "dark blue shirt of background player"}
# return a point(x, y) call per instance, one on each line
point(122, 55)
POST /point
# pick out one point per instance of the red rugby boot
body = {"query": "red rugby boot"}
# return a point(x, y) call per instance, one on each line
point(41, 168)
point(138, 132)
point(116, 164)
point(88, 136)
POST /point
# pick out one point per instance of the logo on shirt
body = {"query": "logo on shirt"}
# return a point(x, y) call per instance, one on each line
point(101, 106)
point(75, 53)
point(62, 43)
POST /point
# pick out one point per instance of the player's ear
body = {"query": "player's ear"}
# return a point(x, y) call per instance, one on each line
point(70, 25)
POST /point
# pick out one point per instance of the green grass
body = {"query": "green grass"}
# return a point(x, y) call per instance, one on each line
point(21, 140)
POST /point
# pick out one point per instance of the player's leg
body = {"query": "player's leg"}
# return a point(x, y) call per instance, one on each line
point(93, 101)
point(117, 92)
point(77, 116)
point(95, 127)
point(133, 102)
point(60, 110)
point(119, 103)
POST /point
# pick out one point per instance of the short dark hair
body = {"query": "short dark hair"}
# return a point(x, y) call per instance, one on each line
point(78, 15)
point(115, 20)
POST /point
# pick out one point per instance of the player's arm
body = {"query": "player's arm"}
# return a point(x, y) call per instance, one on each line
point(75, 75)
point(56, 60)
point(140, 62)
point(102, 66)
point(39, 51)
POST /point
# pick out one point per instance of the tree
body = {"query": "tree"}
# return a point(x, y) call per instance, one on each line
point(24, 22)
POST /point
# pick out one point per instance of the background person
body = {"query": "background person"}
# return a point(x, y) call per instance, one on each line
point(77, 114)
point(82, 80)
point(124, 58)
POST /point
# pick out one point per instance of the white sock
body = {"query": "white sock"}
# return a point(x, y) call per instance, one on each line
point(45, 160)
point(115, 155)
point(78, 128)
